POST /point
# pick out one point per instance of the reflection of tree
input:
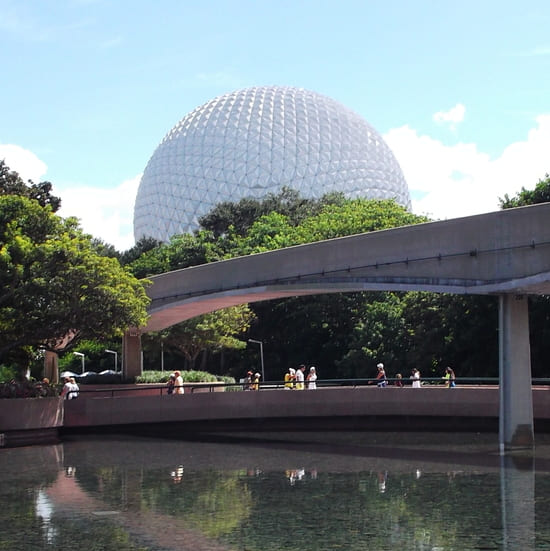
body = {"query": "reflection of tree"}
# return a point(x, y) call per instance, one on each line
point(263, 511)
point(16, 515)
point(339, 510)
point(211, 502)
point(109, 482)
point(221, 508)
point(349, 512)
point(80, 534)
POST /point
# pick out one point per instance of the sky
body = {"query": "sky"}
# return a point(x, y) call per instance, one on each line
point(460, 91)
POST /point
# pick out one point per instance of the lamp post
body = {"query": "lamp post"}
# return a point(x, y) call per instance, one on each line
point(81, 359)
point(261, 355)
point(116, 357)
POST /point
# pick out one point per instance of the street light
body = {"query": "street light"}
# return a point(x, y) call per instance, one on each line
point(81, 359)
point(116, 356)
point(261, 355)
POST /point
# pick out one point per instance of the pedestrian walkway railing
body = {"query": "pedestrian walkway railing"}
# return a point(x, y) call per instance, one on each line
point(191, 388)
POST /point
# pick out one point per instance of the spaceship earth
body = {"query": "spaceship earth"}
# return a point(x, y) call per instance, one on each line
point(253, 142)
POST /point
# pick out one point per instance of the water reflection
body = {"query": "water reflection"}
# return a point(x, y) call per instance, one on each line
point(292, 492)
point(517, 479)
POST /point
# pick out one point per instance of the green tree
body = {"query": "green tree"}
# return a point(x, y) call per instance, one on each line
point(354, 216)
point(376, 337)
point(277, 230)
point(271, 231)
point(457, 330)
point(143, 245)
point(180, 252)
point(238, 217)
point(55, 289)
point(541, 194)
point(104, 249)
point(12, 184)
point(212, 331)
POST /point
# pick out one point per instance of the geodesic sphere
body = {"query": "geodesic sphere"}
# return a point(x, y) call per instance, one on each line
point(253, 142)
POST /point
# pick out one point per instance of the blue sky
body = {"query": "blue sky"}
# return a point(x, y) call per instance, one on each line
point(459, 90)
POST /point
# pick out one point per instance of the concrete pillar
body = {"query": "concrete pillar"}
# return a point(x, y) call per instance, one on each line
point(131, 353)
point(516, 395)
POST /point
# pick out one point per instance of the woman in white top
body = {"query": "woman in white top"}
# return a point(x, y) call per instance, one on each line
point(70, 389)
point(311, 379)
point(416, 378)
point(178, 387)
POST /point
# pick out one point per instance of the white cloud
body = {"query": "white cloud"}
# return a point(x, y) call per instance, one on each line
point(23, 161)
point(459, 180)
point(451, 117)
point(104, 213)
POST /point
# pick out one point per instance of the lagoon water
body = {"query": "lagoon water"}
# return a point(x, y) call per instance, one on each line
point(277, 491)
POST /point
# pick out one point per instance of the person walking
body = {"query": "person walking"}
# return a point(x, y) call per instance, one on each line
point(178, 385)
point(449, 377)
point(300, 377)
point(65, 392)
point(290, 377)
point(312, 378)
point(70, 389)
point(171, 383)
point(415, 376)
point(256, 382)
point(381, 380)
point(398, 380)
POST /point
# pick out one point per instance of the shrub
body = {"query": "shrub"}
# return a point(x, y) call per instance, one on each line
point(27, 389)
point(161, 377)
point(7, 373)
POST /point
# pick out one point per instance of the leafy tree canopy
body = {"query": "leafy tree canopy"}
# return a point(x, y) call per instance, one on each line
point(54, 287)
point(541, 194)
point(181, 251)
point(239, 217)
point(143, 245)
point(12, 184)
point(349, 217)
point(214, 331)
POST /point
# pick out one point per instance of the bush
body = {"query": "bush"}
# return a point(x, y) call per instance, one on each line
point(27, 389)
point(161, 377)
point(7, 373)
